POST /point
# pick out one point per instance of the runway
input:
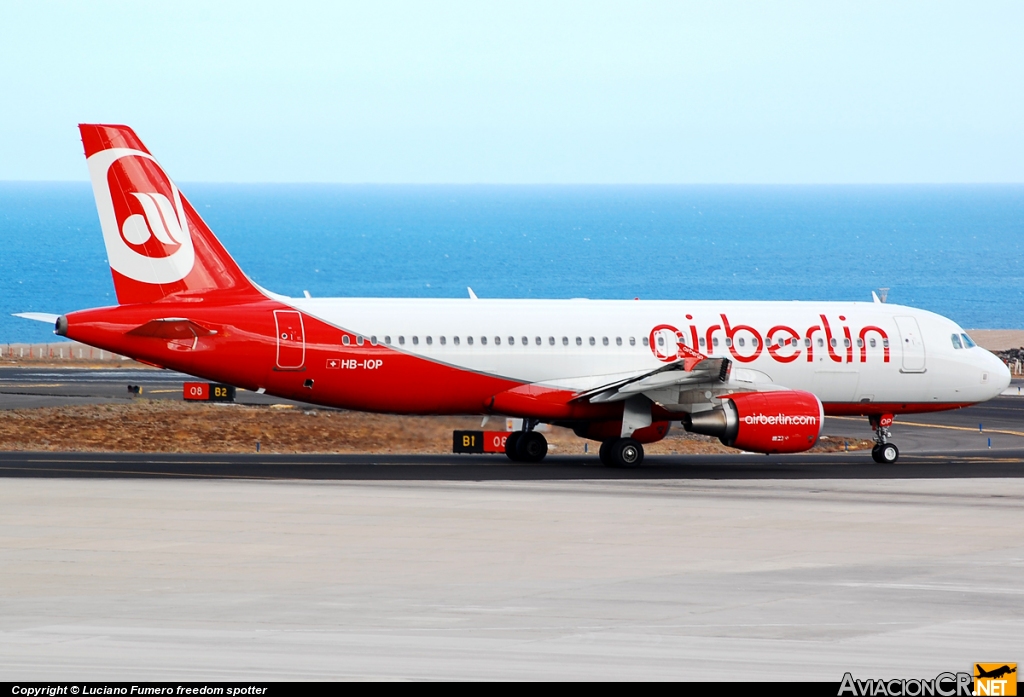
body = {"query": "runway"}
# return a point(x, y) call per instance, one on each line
point(273, 567)
point(483, 468)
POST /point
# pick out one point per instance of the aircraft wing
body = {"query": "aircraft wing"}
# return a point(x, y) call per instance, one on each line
point(707, 370)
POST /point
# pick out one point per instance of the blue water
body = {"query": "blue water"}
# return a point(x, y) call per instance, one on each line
point(956, 250)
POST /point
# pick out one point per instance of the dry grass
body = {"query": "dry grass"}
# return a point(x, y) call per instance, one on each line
point(174, 427)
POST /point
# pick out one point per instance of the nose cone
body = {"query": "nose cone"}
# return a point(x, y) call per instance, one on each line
point(998, 374)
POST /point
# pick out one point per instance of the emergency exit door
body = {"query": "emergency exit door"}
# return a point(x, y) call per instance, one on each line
point(291, 339)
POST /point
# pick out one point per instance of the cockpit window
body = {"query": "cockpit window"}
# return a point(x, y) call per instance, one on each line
point(956, 342)
point(967, 341)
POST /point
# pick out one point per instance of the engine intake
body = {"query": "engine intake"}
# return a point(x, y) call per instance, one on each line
point(787, 421)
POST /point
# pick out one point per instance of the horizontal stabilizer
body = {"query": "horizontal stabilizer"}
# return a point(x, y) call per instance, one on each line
point(38, 316)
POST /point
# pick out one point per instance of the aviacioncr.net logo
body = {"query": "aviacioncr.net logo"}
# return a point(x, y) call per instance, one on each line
point(141, 213)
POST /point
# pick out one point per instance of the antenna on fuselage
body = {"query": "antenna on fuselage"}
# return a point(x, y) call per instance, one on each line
point(472, 295)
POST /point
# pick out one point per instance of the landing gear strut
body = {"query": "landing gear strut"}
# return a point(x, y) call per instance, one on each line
point(622, 452)
point(526, 445)
point(884, 452)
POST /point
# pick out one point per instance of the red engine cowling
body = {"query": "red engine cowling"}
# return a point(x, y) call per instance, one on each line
point(787, 421)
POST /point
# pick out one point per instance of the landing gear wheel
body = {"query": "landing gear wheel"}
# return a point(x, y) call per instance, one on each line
point(510, 445)
point(603, 453)
point(625, 452)
point(885, 453)
point(530, 446)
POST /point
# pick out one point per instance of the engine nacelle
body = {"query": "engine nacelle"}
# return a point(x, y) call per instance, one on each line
point(787, 421)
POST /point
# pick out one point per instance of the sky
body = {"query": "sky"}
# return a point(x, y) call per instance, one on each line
point(522, 92)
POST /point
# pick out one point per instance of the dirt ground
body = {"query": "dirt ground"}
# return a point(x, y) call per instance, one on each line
point(172, 427)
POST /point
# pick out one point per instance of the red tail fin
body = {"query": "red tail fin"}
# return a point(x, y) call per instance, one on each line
point(157, 244)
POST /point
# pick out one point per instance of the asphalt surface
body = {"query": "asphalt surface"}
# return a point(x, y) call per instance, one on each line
point(482, 468)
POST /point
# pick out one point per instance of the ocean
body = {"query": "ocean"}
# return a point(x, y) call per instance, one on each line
point(955, 250)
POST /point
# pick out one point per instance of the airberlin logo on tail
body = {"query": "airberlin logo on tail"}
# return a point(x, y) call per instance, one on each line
point(142, 216)
point(159, 220)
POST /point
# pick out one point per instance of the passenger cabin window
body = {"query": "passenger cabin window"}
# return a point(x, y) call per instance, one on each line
point(483, 340)
point(956, 342)
point(821, 342)
point(743, 342)
point(469, 340)
point(401, 340)
point(807, 341)
point(526, 341)
point(415, 341)
point(593, 342)
point(345, 340)
point(714, 342)
point(359, 340)
point(497, 341)
point(728, 341)
point(455, 340)
point(551, 340)
point(846, 343)
point(387, 340)
point(373, 340)
point(538, 341)
point(632, 341)
point(832, 343)
point(753, 341)
point(565, 341)
point(430, 340)
point(442, 340)
point(872, 343)
point(646, 342)
point(860, 343)
point(968, 342)
point(661, 341)
point(604, 341)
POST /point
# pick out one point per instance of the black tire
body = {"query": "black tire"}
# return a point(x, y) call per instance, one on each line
point(875, 453)
point(531, 447)
point(510, 446)
point(626, 452)
point(603, 453)
point(888, 454)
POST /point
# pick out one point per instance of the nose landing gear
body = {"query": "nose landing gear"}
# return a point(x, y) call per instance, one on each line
point(884, 452)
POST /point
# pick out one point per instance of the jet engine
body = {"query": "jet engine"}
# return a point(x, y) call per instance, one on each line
point(787, 421)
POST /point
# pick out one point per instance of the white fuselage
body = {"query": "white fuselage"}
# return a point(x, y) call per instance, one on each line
point(844, 353)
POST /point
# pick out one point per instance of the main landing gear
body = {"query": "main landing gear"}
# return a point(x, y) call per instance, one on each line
point(622, 452)
point(526, 445)
point(884, 452)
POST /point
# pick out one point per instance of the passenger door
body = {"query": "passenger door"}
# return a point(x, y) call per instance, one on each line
point(291, 340)
point(913, 345)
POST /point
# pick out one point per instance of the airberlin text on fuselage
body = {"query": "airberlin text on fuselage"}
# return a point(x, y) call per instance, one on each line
point(783, 343)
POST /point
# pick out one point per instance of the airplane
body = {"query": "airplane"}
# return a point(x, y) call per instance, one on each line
point(761, 376)
point(994, 673)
